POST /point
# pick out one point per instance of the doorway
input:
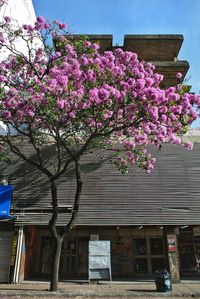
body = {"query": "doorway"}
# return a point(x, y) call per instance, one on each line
point(83, 243)
point(189, 250)
point(148, 255)
point(67, 260)
point(73, 260)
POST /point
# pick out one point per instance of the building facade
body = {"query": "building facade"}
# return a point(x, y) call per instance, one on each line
point(152, 220)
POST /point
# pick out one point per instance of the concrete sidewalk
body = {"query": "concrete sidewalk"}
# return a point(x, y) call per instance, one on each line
point(102, 290)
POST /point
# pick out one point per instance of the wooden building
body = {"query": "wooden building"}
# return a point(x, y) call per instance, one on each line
point(151, 220)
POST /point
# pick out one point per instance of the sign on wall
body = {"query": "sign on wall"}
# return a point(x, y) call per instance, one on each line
point(171, 242)
point(5, 199)
point(99, 260)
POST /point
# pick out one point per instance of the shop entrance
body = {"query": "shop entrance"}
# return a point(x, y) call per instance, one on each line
point(74, 257)
point(68, 259)
point(148, 253)
point(5, 254)
point(83, 257)
point(189, 249)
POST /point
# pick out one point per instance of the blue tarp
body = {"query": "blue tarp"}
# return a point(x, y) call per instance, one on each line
point(5, 199)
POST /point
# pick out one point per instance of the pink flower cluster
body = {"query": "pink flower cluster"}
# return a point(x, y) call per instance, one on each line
point(111, 95)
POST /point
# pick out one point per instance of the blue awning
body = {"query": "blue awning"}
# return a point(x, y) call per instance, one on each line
point(5, 200)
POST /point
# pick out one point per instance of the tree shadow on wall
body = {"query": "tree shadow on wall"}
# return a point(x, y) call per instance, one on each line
point(32, 187)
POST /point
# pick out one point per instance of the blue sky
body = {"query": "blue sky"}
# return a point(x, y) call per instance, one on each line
point(120, 17)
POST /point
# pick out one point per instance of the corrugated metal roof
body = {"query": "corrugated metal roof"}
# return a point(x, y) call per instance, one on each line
point(170, 195)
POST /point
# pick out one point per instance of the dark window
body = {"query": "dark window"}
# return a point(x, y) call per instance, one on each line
point(156, 246)
point(148, 255)
point(140, 246)
point(141, 265)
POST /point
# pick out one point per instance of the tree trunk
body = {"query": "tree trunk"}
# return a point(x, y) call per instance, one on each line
point(56, 263)
point(79, 184)
point(57, 239)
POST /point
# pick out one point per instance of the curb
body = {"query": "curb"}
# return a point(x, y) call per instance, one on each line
point(60, 294)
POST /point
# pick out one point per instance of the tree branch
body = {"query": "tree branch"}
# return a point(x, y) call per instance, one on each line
point(14, 149)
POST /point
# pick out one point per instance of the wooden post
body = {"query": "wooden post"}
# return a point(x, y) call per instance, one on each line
point(172, 250)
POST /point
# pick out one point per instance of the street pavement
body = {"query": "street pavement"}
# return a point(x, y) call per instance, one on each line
point(40, 290)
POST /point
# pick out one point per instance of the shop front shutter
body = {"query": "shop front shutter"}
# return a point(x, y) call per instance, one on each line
point(5, 252)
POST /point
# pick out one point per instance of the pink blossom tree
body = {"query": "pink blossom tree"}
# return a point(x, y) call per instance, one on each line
point(78, 100)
